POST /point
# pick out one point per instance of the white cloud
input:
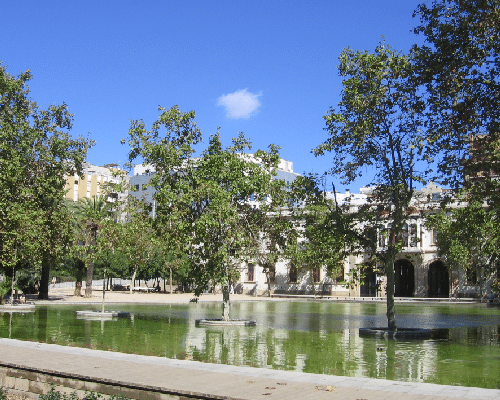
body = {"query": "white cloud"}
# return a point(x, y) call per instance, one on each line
point(240, 104)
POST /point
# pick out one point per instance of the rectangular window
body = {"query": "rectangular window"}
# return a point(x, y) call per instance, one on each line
point(250, 273)
point(370, 234)
point(382, 237)
point(404, 235)
point(271, 274)
point(292, 274)
point(471, 276)
point(409, 235)
point(340, 275)
point(391, 237)
point(413, 235)
point(434, 237)
point(386, 237)
point(315, 275)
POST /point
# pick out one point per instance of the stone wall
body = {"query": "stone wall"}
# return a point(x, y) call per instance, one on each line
point(31, 383)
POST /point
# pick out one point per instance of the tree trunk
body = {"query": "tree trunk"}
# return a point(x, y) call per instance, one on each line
point(43, 292)
point(90, 276)
point(12, 285)
point(103, 290)
point(90, 267)
point(389, 270)
point(481, 280)
point(268, 283)
point(78, 288)
point(132, 283)
point(79, 273)
point(170, 280)
point(225, 302)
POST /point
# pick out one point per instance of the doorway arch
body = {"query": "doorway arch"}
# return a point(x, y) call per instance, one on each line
point(404, 274)
point(438, 280)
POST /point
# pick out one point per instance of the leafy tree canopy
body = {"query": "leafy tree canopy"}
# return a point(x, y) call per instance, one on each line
point(379, 127)
point(459, 70)
point(459, 66)
point(325, 230)
point(468, 237)
point(36, 154)
point(204, 202)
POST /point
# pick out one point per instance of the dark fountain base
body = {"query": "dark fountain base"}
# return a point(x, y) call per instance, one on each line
point(220, 322)
point(400, 333)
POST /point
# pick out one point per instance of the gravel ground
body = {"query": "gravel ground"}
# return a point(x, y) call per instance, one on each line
point(57, 295)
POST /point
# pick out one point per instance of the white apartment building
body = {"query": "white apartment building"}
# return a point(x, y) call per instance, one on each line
point(142, 174)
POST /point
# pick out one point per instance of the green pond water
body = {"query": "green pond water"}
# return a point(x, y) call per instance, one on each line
point(311, 337)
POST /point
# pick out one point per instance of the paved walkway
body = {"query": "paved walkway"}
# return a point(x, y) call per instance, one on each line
point(221, 381)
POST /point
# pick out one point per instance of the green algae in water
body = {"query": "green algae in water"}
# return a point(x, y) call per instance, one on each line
point(312, 337)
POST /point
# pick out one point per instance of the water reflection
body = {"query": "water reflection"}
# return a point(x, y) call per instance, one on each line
point(315, 337)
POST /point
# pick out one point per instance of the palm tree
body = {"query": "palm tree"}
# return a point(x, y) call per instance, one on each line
point(90, 214)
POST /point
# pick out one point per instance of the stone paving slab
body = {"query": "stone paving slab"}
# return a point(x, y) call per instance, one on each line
point(221, 381)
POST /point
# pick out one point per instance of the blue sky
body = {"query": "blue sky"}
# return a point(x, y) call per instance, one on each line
point(265, 68)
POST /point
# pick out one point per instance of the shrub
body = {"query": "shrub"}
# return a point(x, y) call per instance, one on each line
point(55, 395)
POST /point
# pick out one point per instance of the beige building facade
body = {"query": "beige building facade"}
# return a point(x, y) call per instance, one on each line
point(91, 183)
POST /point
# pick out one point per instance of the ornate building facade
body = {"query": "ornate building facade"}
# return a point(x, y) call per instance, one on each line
point(419, 271)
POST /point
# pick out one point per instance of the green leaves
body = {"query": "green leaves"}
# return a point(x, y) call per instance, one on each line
point(203, 206)
point(36, 154)
point(324, 235)
point(165, 149)
point(379, 112)
point(459, 70)
point(468, 236)
point(459, 67)
point(378, 127)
